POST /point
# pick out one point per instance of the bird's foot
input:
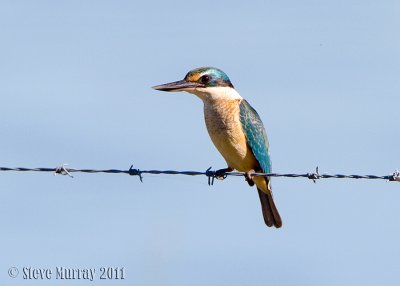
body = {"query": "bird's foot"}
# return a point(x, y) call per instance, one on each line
point(221, 173)
point(249, 177)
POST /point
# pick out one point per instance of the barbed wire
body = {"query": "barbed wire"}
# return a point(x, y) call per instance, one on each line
point(211, 174)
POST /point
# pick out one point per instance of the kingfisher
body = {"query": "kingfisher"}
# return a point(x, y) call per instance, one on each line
point(235, 129)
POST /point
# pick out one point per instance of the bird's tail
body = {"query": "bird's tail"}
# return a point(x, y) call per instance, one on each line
point(270, 212)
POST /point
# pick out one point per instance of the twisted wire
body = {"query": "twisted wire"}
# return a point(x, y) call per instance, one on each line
point(211, 174)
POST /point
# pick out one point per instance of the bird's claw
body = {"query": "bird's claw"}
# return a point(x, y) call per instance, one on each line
point(220, 174)
point(249, 178)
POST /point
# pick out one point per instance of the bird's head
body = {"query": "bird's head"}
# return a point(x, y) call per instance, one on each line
point(205, 82)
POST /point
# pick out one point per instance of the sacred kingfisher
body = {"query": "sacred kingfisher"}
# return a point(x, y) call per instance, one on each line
point(235, 129)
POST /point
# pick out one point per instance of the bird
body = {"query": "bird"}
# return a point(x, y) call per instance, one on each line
point(235, 129)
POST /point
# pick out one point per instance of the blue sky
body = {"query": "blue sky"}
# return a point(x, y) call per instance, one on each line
point(75, 88)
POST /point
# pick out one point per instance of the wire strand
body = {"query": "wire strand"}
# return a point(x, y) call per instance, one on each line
point(211, 174)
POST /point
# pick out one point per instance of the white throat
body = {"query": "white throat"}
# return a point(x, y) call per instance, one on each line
point(215, 93)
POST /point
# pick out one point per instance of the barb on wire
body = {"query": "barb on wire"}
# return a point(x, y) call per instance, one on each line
point(211, 174)
point(396, 176)
point(314, 176)
point(63, 170)
point(135, 172)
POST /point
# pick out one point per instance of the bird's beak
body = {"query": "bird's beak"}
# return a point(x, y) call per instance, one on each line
point(181, 85)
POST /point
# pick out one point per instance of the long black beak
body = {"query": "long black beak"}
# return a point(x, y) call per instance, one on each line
point(177, 86)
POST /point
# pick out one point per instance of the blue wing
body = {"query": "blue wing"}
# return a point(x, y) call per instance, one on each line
point(255, 135)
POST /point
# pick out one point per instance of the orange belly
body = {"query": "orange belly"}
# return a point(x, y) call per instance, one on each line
point(226, 132)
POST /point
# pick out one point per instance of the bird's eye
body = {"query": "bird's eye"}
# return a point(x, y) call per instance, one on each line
point(205, 78)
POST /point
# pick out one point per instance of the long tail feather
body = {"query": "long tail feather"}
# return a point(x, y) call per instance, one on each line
point(270, 212)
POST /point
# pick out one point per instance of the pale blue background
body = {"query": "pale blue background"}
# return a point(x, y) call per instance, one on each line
point(75, 80)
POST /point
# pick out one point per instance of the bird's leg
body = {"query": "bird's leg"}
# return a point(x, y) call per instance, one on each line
point(220, 174)
point(249, 177)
